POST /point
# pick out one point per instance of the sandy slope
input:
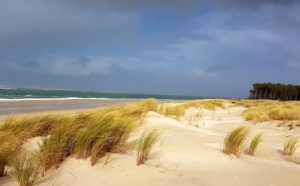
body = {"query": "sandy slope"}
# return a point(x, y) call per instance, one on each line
point(188, 155)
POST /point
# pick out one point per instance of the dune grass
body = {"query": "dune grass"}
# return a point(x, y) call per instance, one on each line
point(87, 134)
point(250, 103)
point(209, 104)
point(178, 110)
point(32, 126)
point(175, 111)
point(104, 134)
point(25, 168)
point(194, 119)
point(254, 143)
point(56, 147)
point(234, 142)
point(290, 146)
point(274, 110)
point(145, 144)
point(9, 147)
point(94, 133)
point(169, 110)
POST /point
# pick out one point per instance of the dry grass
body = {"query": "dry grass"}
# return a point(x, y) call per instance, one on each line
point(145, 144)
point(194, 119)
point(178, 110)
point(175, 111)
point(104, 134)
point(209, 104)
point(267, 111)
point(9, 147)
point(87, 134)
point(56, 147)
point(290, 146)
point(254, 143)
point(234, 142)
point(250, 103)
point(25, 168)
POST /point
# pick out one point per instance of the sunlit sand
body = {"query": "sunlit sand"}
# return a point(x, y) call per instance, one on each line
point(189, 152)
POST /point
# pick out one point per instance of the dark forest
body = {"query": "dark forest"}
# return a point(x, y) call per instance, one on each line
point(277, 91)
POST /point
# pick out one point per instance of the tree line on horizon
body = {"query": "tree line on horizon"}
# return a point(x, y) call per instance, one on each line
point(277, 91)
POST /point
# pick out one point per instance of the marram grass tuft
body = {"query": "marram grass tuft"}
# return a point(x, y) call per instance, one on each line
point(254, 143)
point(234, 142)
point(25, 168)
point(145, 144)
point(290, 146)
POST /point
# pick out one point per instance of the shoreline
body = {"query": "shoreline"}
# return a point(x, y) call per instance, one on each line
point(34, 107)
point(22, 108)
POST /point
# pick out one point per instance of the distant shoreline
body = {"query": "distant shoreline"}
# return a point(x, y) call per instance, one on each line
point(8, 94)
point(34, 106)
point(56, 105)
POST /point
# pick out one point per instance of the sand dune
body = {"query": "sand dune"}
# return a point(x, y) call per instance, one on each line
point(188, 154)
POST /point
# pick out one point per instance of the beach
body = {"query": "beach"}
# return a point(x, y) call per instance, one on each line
point(189, 151)
point(33, 107)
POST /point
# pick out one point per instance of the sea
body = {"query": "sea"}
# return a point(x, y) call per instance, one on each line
point(18, 94)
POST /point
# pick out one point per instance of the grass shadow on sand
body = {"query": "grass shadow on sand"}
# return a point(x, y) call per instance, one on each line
point(292, 159)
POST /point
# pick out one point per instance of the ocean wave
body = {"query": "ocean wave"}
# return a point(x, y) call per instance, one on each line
point(21, 94)
point(5, 88)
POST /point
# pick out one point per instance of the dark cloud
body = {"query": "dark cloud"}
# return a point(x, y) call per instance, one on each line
point(255, 3)
point(183, 6)
point(130, 5)
point(35, 27)
point(62, 26)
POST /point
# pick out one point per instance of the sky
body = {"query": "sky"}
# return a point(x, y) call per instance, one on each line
point(215, 48)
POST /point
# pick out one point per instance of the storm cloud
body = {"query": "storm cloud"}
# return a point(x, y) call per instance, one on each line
point(193, 47)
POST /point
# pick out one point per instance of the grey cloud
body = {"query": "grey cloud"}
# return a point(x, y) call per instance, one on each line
point(64, 65)
point(31, 64)
point(254, 3)
point(82, 61)
point(130, 5)
point(82, 25)
point(219, 67)
point(186, 5)
point(201, 36)
point(181, 58)
point(293, 64)
point(47, 27)
point(73, 66)
point(124, 80)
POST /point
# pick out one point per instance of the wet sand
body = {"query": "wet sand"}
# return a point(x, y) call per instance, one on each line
point(13, 108)
point(36, 106)
point(19, 107)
